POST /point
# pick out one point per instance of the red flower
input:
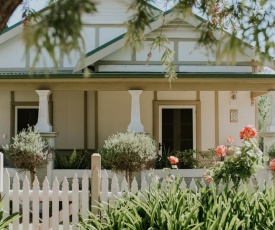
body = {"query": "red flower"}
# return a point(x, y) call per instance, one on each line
point(248, 132)
point(173, 160)
point(221, 150)
point(230, 139)
point(272, 164)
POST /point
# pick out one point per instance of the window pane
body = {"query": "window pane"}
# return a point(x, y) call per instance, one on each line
point(26, 117)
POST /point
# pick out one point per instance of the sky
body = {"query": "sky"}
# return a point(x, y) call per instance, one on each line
point(34, 4)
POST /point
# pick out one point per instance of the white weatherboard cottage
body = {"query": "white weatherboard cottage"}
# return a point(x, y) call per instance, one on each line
point(205, 105)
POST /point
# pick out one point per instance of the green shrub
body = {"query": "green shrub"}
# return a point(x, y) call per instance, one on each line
point(129, 152)
point(81, 160)
point(271, 151)
point(27, 151)
point(162, 159)
point(187, 159)
point(177, 208)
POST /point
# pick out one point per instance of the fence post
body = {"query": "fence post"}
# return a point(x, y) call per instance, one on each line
point(95, 181)
point(1, 171)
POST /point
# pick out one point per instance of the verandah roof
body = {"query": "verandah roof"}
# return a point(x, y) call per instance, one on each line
point(144, 81)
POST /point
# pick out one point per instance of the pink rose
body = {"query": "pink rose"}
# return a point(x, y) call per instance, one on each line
point(207, 176)
point(230, 139)
point(173, 160)
point(248, 132)
point(272, 164)
point(221, 150)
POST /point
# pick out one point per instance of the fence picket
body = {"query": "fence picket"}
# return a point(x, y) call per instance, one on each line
point(124, 185)
point(26, 204)
point(193, 186)
point(183, 184)
point(85, 195)
point(114, 186)
point(35, 204)
point(15, 200)
point(104, 189)
point(55, 204)
point(144, 187)
point(114, 190)
point(202, 182)
point(134, 187)
point(75, 200)
point(241, 186)
point(65, 203)
point(45, 205)
point(6, 191)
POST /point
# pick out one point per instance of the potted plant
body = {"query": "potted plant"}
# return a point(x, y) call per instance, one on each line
point(128, 152)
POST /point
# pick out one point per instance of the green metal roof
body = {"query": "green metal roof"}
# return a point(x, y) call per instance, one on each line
point(139, 75)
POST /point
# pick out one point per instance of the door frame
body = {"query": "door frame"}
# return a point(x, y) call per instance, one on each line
point(158, 105)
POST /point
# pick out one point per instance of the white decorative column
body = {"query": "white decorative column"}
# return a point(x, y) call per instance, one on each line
point(45, 130)
point(271, 126)
point(43, 124)
point(269, 134)
point(50, 138)
point(135, 125)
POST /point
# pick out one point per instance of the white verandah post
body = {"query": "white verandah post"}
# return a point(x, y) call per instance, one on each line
point(95, 181)
point(1, 171)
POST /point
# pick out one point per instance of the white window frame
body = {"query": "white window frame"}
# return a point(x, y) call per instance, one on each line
point(193, 107)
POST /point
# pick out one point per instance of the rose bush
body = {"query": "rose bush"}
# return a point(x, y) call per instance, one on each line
point(272, 164)
point(242, 165)
point(221, 150)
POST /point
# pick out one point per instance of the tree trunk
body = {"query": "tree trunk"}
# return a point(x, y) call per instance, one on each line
point(32, 174)
point(6, 10)
point(130, 180)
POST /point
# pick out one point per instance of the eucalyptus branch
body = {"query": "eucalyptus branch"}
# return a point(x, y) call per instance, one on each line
point(161, 42)
point(59, 27)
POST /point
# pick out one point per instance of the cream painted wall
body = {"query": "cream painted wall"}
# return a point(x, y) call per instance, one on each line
point(91, 119)
point(146, 111)
point(14, 59)
point(176, 95)
point(23, 96)
point(114, 111)
point(68, 120)
point(207, 120)
point(4, 117)
point(246, 115)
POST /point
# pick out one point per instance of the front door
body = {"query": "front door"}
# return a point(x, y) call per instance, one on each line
point(177, 128)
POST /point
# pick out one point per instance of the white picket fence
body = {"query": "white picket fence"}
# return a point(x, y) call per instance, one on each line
point(56, 206)
point(45, 208)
